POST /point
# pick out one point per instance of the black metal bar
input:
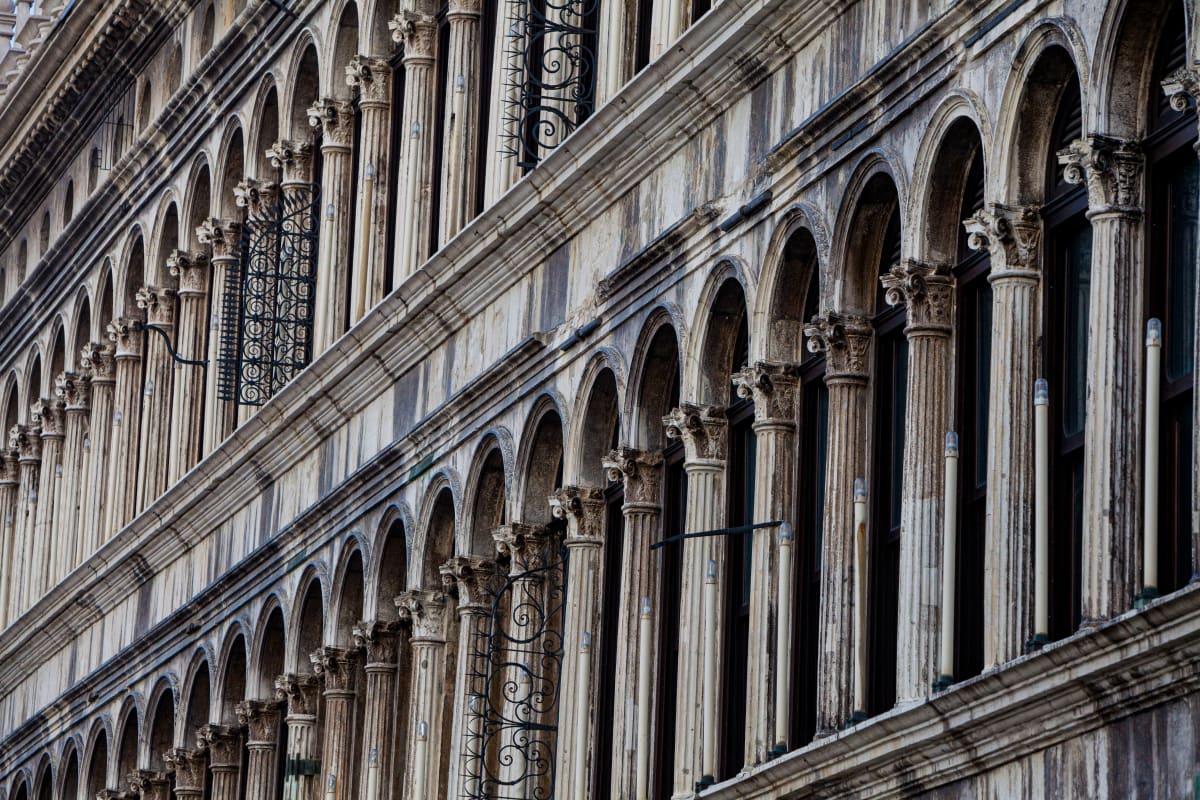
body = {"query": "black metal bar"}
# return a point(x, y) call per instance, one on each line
point(284, 9)
point(202, 363)
point(740, 530)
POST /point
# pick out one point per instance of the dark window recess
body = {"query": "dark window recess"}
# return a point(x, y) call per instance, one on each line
point(483, 113)
point(395, 141)
point(643, 27)
point(614, 539)
point(737, 580)
point(674, 490)
point(441, 75)
point(352, 217)
point(700, 8)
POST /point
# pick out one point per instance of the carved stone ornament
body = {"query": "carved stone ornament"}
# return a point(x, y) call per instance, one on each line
point(97, 360)
point(426, 610)
point(191, 270)
point(254, 196)
point(47, 414)
point(475, 580)
point(149, 785)
point(378, 641)
point(220, 236)
point(1112, 170)
point(300, 692)
point(74, 390)
point(417, 32)
point(189, 767)
point(9, 471)
point(27, 441)
point(583, 509)
point(640, 471)
point(293, 158)
point(701, 429)
point(336, 665)
point(127, 339)
point(370, 77)
point(1012, 235)
point(159, 305)
point(223, 743)
point(524, 546)
point(335, 119)
point(926, 290)
point(846, 342)
point(774, 387)
point(1182, 87)
point(260, 718)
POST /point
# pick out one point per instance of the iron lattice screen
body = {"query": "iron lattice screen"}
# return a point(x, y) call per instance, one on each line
point(267, 308)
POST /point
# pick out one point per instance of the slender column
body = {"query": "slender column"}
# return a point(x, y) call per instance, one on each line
point(462, 92)
point(774, 387)
point(641, 473)
point(75, 392)
point(261, 720)
point(1013, 239)
point(927, 291)
point(223, 240)
point(846, 342)
point(704, 432)
point(149, 785)
point(224, 745)
point(372, 78)
point(47, 544)
point(475, 582)
point(1112, 479)
point(189, 767)
point(671, 18)
point(335, 120)
point(9, 553)
point(614, 50)
point(418, 34)
point(502, 169)
point(155, 437)
point(301, 692)
point(191, 270)
point(378, 641)
point(583, 510)
point(426, 610)
point(339, 669)
point(98, 361)
point(27, 441)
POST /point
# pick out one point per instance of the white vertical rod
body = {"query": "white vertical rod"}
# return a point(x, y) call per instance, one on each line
point(949, 563)
point(645, 631)
point(709, 766)
point(1041, 515)
point(860, 599)
point(579, 757)
point(1150, 500)
point(783, 640)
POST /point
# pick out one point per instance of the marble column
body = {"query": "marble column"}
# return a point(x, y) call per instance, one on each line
point(775, 389)
point(75, 392)
point(378, 640)
point(418, 34)
point(9, 553)
point(372, 78)
point(426, 610)
point(191, 270)
point(927, 292)
point(335, 120)
point(149, 785)
point(670, 19)
point(704, 432)
point(156, 425)
point(461, 112)
point(27, 441)
point(615, 49)
point(502, 169)
point(641, 474)
point(846, 342)
point(582, 508)
point(1112, 479)
point(47, 544)
point(223, 240)
point(261, 720)
point(189, 767)
point(302, 695)
point(475, 581)
point(97, 360)
point(224, 746)
point(338, 668)
point(1012, 236)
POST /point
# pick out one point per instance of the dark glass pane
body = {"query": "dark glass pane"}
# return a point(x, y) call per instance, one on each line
point(899, 393)
point(1078, 287)
point(982, 377)
point(818, 521)
point(1180, 328)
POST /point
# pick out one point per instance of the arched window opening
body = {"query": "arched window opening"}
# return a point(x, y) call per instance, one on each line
point(144, 106)
point(174, 70)
point(207, 28)
point(44, 235)
point(22, 260)
point(68, 203)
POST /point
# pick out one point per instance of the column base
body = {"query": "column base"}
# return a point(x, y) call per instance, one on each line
point(705, 782)
point(777, 751)
point(943, 683)
point(1142, 598)
point(855, 718)
point(1036, 643)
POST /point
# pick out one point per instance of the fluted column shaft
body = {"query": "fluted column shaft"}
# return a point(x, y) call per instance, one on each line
point(339, 669)
point(335, 119)
point(1013, 239)
point(48, 544)
point(671, 18)
point(426, 610)
point(615, 49)
point(27, 440)
point(846, 342)
point(462, 92)
point(301, 692)
point(223, 240)
point(9, 487)
point(224, 747)
point(154, 443)
point(378, 642)
point(98, 361)
point(418, 33)
point(261, 719)
point(187, 391)
point(75, 392)
point(372, 77)
point(502, 169)
point(189, 767)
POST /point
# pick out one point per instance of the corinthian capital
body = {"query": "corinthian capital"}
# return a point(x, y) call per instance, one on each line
point(1012, 235)
point(97, 359)
point(9, 474)
point(223, 743)
point(149, 785)
point(75, 391)
point(26, 440)
point(336, 665)
point(299, 691)
point(335, 118)
point(189, 767)
point(221, 236)
point(191, 270)
point(1112, 169)
point(774, 387)
point(846, 342)
point(294, 158)
point(260, 718)
point(640, 471)
point(159, 305)
point(377, 640)
point(926, 290)
point(255, 196)
point(1182, 88)
point(525, 546)
point(583, 509)
point(417, 32)
point(370, 77)
point(426, 610)
point(475, 581)
point(123, 332)
point(701, 429)
point(47, 414)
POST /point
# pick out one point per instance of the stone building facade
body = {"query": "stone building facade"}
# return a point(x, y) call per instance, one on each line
point(524, 398)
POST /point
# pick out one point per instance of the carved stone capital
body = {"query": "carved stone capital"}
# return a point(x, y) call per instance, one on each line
point(255, 196)
point(1012, 236)
point(583, 509)
point(926, 290)
point(191, 270)
point(261, 720)
point(26, 441)
point(159, 305)
point(701, 429)
point(418, 34)
point(426, 610)
point(97, 360)
point(336, 665)
point(223, 743)
point(335, 118)
point(524, 546)
point(846, 342)
point(464, 8)
point(475, 580)
point(75, 391)
point(775, 389)
point(299, 691)
point(9, 471)
point(123, 333)
point(220, 236)
point(149, 785)
point(377, 640)
point(640, 471)
point(371, 77)
point(293, 158)
point(188, 766)
point(1112, 170)
point(47, 414)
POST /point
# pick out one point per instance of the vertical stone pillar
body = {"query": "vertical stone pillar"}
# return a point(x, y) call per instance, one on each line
point(372, 78)
point(583, 510)
point(9, 554)
point(75, 392)
point(378, 641)
point(418, 34)
point(191, 270)
point(426, 610)
point(774, 387)
point(302, 694)
point(27, 441)
point(1012, 237)
point(47, 544)
point(97, 360)
point(462, 92)
point(149, 785)
point(846, 343)
point(261, 203)
point(335, 120)
point(616, 40)
point(927, 291)
point(224, 241)
point(224, 746)
point(121, 498)
point(338, 667)
point(189, 767)
point(641, 474)
point(155, 438)
point(476, 582)
point(261, 720)
point(1112, 477)
point(671, 18)
point(704, 432)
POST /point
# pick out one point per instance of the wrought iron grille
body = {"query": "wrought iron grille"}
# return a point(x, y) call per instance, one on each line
point(513, 683)
point(549, 74)
point(267, 309)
